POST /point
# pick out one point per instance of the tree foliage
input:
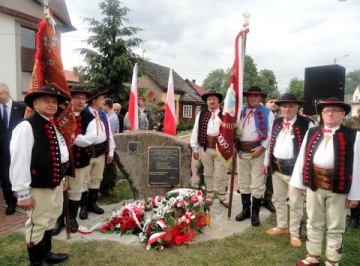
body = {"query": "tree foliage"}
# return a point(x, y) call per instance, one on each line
point(109, 58)
point(352, 81)
point(296, 87)
point(218, 79)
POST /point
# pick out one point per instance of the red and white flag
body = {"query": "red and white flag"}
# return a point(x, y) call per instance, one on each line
point(232, 102)
point(133, 112)
point(169, 118)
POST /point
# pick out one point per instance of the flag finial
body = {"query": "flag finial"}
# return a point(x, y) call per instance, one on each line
point(246, 16)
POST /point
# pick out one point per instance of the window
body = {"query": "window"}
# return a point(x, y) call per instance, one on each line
point(187, 111)
point(25, 80)
point(27, 38)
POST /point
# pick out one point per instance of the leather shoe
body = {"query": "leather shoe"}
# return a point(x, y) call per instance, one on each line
point(295, 242)
point(269, 206)
point(277, 231)
point(56, 258)
point(58, 226)
point(310, 260)
point(10, 209)
point(95, 208)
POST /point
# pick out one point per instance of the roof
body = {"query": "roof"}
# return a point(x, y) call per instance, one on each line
point(160, 75)
point(71, 76)
point(190, 97)
point(197, 88)
point(58, 8)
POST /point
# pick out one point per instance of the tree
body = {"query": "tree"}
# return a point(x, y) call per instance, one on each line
point(214, 80)
point(110, 60)
point(352, 81)
point(266, 80)
point(296, 87)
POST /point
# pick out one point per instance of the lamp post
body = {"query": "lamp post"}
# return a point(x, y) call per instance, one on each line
point(335, 59)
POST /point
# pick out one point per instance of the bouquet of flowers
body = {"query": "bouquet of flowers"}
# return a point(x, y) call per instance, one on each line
point(177, 217)
point(125, 220)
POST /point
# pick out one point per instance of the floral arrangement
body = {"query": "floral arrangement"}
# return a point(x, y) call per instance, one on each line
point(175, 218)
point(126, 220)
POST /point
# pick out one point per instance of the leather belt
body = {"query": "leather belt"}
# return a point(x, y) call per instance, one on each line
point(98, 149)
point(63, 168)
point(284, 166)
point(211, 142)
point(247, 146)
point(323, 178)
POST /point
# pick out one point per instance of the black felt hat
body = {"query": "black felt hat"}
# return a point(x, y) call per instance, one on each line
point(212, 93)
point(288, 97)
point(95, 93)
point(254, 90)
point(333, 101)
point(52, 90)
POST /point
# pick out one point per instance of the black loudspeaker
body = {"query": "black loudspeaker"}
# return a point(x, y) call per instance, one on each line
point(322, 82)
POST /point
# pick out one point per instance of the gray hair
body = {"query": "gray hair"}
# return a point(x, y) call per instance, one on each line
point(117, 105)
point(5, 87)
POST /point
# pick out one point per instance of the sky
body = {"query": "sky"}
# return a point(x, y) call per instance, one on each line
point(195, 37)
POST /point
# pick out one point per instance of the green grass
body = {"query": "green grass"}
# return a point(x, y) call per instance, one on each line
point(253, 247)
point(121, 191)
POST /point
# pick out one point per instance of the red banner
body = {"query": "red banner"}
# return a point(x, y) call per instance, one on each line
point(48, 71)
point(232, 102)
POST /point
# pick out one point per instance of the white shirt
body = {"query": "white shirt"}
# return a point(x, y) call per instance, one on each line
point(213, 129)
point(328, 162)
point(23, 137)
point(249, 132)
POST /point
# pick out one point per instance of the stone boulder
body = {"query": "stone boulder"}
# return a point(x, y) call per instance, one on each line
point(134, 165)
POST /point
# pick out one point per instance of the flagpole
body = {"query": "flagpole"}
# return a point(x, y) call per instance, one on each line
point(239, 71)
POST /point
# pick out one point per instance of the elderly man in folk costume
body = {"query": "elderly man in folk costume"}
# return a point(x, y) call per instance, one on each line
point(256, 121)
point(102, 152)
point(288, 132)
point(203, 143)
point(326, 172)
point(39, 161)
point(82, 150)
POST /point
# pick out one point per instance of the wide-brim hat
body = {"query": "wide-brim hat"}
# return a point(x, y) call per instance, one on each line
point(212, 93)
point(95, 93)
point(288, 97)
point(333, 101)
point(52, 90)
point(255, 90)
point(78, 89)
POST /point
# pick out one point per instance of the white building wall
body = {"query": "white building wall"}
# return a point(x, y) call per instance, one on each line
point(8, 54)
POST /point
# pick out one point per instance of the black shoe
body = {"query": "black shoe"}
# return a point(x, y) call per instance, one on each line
point(269, 206)
point(95, 209)
point(73, 225)
point(58, 226)
point(10, 209)
point(243, 215)
point(41, 263)
point(56, 258)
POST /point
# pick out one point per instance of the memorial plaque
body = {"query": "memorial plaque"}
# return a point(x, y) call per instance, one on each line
point(164, 166)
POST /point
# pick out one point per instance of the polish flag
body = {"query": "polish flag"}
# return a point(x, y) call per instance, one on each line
point(169, 119)
point(133, 114)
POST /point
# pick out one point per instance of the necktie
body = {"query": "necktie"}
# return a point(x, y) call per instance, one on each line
point(212, 115)
point(248, 116)
point(5, 116)
point(327, 131)
point(286, 125)
point(52, 121)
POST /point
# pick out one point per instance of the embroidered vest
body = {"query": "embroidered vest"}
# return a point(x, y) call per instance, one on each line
point(45, 157)
point(261, 115)
point(104, 119)
point(82, 155)
point(343, 141)
point(298, 131)
point(203, 123)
